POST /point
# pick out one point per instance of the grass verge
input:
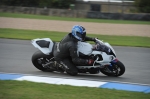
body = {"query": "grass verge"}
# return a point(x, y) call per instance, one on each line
point(57, 36)
point(30, 90)
point(43, 17)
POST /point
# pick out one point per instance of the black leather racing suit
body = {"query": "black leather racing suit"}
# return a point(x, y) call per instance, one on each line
point(66, 52)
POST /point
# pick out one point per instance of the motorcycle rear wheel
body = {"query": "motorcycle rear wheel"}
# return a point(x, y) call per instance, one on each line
point(118, 69)
point(38, 58)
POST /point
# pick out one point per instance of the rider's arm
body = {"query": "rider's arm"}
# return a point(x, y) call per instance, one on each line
point(89, 39)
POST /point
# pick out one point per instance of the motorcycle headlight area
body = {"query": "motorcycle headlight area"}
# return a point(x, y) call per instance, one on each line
point(111, 58)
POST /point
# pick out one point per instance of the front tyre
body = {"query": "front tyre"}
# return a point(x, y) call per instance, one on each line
point(38, 59)
point(117, 69)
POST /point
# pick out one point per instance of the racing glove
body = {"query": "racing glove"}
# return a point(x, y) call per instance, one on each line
point(94, 39)
point(90, 61)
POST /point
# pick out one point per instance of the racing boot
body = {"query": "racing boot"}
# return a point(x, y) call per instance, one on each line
point(58, 66)
point(50, 66)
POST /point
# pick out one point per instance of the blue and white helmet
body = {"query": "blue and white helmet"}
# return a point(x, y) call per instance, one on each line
point(79, 32)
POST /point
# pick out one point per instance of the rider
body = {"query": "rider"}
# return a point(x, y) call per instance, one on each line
point(65, 52)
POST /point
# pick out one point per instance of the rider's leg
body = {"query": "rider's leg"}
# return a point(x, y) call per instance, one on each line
point(70, 68)
point(65, 65)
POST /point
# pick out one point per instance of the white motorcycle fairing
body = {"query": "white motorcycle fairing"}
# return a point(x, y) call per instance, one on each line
point(44, 44)
point(82, 47)
point(103, 54)
point(87, 49)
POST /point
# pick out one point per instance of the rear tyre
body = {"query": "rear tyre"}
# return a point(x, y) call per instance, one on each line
point(116, 69)
point(38, 59)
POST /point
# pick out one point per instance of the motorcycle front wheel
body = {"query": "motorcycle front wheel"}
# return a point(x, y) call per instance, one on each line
point(116, 69)
point(38, 59)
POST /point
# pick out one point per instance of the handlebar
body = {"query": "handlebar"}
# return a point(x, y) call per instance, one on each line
point(99, 41)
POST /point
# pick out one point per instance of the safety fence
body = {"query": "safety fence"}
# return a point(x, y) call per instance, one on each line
point(75, 13)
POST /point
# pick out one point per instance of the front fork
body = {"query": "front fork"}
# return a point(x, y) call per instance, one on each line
point(111, 67)
point(114, 61)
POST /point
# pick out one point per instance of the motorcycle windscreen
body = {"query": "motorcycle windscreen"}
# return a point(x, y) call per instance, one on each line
point(103, 48)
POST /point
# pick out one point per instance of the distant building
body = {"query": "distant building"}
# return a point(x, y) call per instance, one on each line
point(113, 6)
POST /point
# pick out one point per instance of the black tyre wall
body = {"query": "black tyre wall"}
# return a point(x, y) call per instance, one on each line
point(36, 56)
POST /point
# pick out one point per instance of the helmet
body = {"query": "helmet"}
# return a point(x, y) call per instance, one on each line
point(78, 32)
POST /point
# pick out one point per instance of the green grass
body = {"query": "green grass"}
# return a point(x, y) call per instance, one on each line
point(30, 90)
point(30, 16)
point(57, 36)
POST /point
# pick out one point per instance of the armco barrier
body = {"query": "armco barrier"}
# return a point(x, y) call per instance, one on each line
point(99, 15)
point(77, 82)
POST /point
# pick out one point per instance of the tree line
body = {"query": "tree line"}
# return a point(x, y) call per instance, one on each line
point(143, 6)
point(65, 4)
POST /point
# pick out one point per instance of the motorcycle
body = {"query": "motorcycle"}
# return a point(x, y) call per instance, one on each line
point(102, 52)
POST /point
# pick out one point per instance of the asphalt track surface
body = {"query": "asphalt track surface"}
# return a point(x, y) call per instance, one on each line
point(15, 57)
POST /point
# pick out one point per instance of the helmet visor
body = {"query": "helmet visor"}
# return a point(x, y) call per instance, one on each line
point(82, 36)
